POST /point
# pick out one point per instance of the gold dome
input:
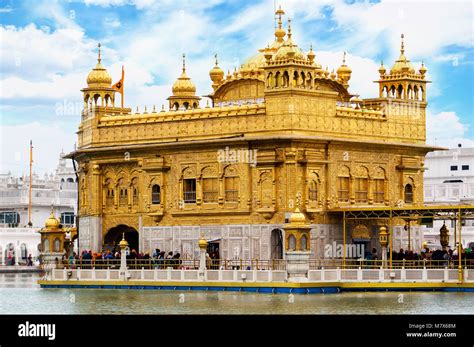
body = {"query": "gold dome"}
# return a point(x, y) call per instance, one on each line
point(402, 65)
point(382, 69)
point(297, 217)
point(216, 73)
point(183, 85)
point(99, 77)
point(423, 69)
point(343, 69)
point(202, 243)
point(52, 222)
point(123, 243)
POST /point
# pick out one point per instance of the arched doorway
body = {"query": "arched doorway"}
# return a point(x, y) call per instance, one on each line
point(10, 254)
point(276, 244)
point(114, 235)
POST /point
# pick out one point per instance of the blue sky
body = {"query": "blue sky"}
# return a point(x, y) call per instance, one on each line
point(48, 47)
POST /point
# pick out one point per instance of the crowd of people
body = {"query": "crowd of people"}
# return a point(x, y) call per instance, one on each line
point(436, 257)
point(158, 259)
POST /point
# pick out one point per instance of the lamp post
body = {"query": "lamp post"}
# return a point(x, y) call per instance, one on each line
point(383, 238)
point(123, 257)
point(202, 257)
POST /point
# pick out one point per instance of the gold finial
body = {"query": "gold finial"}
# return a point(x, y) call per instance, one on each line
point(402, 49)
point(344, 59)
point(279, 32)
point(184, 63)
point(289, 28)
point(215, 56)
point(99, 58)
point(279, 13)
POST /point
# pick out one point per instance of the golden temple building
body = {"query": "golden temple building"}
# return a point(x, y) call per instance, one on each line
point(278, 133)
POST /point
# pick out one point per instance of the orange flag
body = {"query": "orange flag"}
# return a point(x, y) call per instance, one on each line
point(119, 85)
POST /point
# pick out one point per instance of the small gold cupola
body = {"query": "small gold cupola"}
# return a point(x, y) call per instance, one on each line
point(216, 74)
point(344, 72)
point(184, 92)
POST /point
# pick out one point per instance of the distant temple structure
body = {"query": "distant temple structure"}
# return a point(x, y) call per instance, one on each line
point(280, 132)
point(59, 189)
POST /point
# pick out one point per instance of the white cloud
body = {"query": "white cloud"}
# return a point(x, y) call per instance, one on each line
point(48, 140)
point(428, 25)
point(113, 23)
point(445, 129)
point(34, 54)
point(364, 71)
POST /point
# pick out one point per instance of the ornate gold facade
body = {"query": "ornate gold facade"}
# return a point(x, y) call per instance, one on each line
point(317, 146)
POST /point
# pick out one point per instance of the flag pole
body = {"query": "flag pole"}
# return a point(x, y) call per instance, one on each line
point(123, 89)
point(30, 187)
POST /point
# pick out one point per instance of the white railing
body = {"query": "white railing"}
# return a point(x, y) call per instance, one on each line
point(323, 275)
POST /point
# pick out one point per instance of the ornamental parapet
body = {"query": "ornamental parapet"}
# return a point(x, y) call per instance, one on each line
point(182, 115)
point(360, 113)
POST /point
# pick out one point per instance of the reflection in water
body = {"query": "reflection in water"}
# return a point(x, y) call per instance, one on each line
point(19, 293)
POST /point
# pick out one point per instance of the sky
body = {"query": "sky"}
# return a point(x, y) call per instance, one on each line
point(48, 47)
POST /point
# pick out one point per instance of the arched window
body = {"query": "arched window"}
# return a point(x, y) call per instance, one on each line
point(210, 186)
point(343, 184)
point(186, 105)
point(24, 251)
point(379, 190)
point(175, 106)
point(361, 189)
point(231, 184)
point(62, 180)
point(57, 245)
point(156, 194)
point(409, 194)
point(46, 245)
point(277, 79)
point(291, 243)
point(134, 190)
point(313, 191)
point(70, 180)
point(303, 243)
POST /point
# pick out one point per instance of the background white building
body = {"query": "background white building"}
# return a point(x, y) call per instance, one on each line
point(58, 190)
point(449, 180)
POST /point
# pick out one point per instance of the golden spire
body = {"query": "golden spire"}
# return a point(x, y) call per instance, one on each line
point(402, 48)
point(279, 32)
point(289, 28)
point(99, 58)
